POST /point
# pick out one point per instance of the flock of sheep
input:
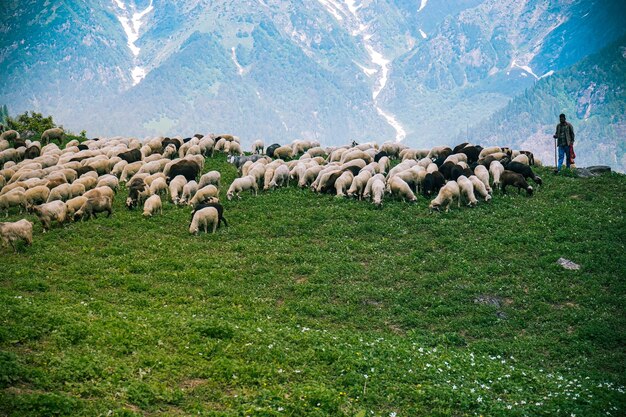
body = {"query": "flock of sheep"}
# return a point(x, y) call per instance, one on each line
point(80, 180)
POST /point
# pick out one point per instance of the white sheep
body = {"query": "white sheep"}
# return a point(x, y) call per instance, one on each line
point(74, 204)
point(14, 231)
point(203, 194)
point(446, 196)
point(242, 184)
point(189, 191)
point(343, 183)
point(358, 184)
point(49, 212)
point(480, 188)
point(522, 158)
point(95, 205)
point(309, 175)
point(399, 188)
point(467, 190)
point(378, 191)
point(152, 204)
point(130, 169)
point(36, 195)
point(481, 172)
point(176, 187)
point(203, 218)
point(159, 186)
point(13, 198)
point(488, 151)
point(496, 169)
point(280, 177)
point(61, 192)
point(211, 177)
point(367, 193)
point(110, 181)
point(283, 152)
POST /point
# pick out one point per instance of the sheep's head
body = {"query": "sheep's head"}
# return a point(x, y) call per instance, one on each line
point(529, 191)
point(130, 203)
point(538, 180)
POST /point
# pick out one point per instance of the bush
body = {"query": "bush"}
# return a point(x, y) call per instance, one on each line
point(34, 122)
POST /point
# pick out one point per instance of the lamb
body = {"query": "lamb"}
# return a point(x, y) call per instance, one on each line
point(211, 177)
point(152, 204)
point(280, 177)
point(203, 218)
point(74, 204)
point(399, 188)
point(467, 190)
point(49, 212)
point(36, 195)
point(16, 231)
point(176, 187)
point(378, 191)
point(483, 175)
point(14, 198)
point(61, 192)
point(212, 202)
point(242, 184)
point(54, 133)
point(159, 186)
point(495, 170)
point(479, 187)
point(516, 180)
point(203, 194)
point(358, 184)
point(94, 205)
point(446, 196)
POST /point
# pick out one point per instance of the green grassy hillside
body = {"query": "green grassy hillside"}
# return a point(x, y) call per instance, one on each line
point(308, 305)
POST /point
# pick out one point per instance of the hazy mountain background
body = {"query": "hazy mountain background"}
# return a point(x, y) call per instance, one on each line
point(427, 72)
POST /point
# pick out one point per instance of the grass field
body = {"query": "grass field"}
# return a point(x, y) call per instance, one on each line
point(309, 305)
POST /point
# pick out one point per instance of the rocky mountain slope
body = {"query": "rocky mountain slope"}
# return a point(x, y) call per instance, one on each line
point(332, 70)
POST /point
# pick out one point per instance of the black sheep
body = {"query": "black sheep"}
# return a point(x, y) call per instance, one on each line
point(168, 141)
point(457, 148)
point(188, 169)
point(472, 153)
point(131, 156)
point(217, 206)
point(32, 152)
point(523, 169)
point(380, 155)
point(433, 181)
point(456, 172)
point(82, 147)
point(516, 180)
point(270, 149)
point(446, 169)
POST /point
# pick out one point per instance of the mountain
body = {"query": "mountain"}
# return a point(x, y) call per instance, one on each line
point(330, 70)
point(592, 93)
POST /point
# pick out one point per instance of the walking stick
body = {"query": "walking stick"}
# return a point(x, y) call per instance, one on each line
point(555, 166)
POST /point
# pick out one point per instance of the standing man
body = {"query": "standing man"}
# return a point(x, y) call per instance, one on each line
point(565, 139)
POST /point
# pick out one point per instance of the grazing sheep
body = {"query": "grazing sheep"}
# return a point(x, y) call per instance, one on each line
point(516, 180)
point(138, 191)
point(358, 184)
point(439, 151)
point(152, 204)
point(446, 196)
point(521, 158)
point(50, 134)
point(49, 212)
point(211, 177)
point(467, 190)
point(481, 172)
point(343, 183)
point(367, 193)
point(158, 186)
point(118, 168)
point(280, 177)
point(13, 198)
point(203, 194)
point(242, 184)
point(488, 151)
point(61, 192)
point(203, 218)
point(88, 182)
point(479, 187)
point(309, 176)
point(16, 231)
point(212, 203)
point(94, 205)
point(130, 169)
point(189, 168)
point(433, 181)
point(523, 169)
point(36, 195)
point(495, 170)
point(378, 191)
point(73, 204)
point(130, 156)
point(100, 191)
point(10, 135)
point(189, 191)
point(176, 188)
point(283, 152)
point(399, 188)
point(110, 181)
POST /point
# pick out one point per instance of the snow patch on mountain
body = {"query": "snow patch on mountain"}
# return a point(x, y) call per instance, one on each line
point(422, 5)
point(131, 23)
point(240, 70)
